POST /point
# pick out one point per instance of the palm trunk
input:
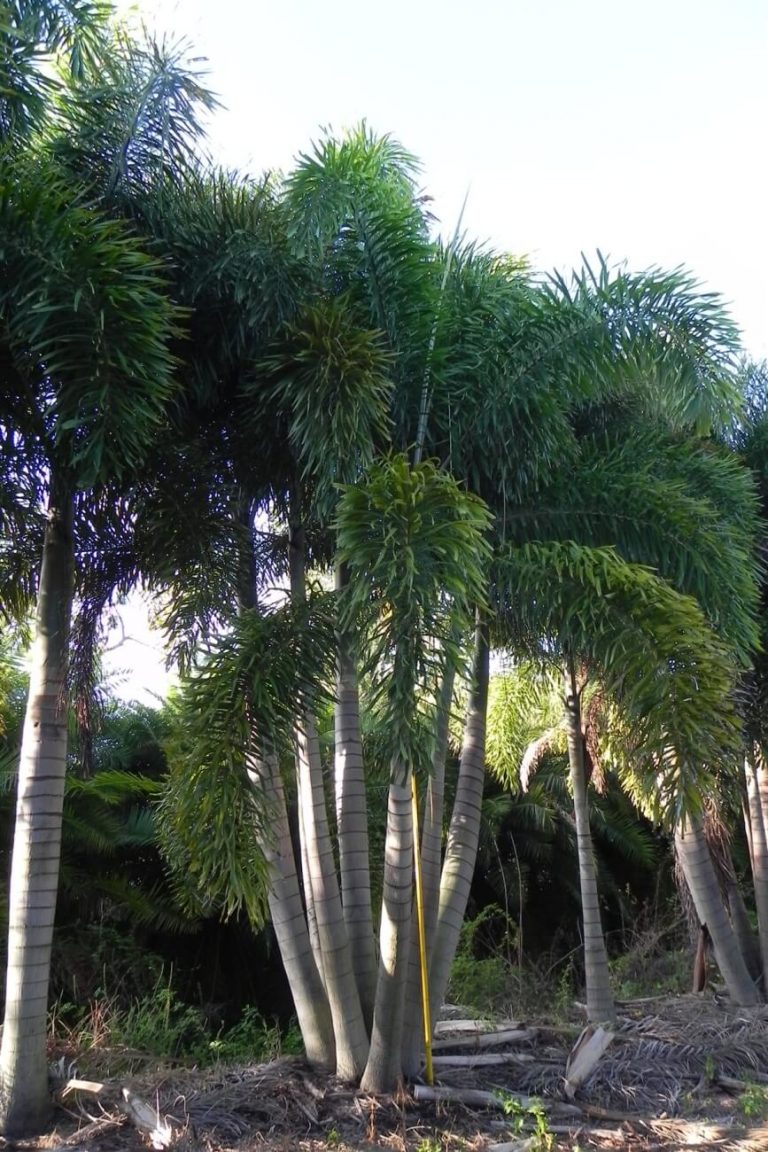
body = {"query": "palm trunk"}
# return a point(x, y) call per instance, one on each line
point(431, 860)
point(324, 896)
point(717, 837)
point(288, 921)
point(699, 872)
point(293, 923)
point(24, 1099)
point(745, 933)
point(432, 829)
point(464, 831)
point(304, 804)
point(600, 1005)
point(757, 834)
point(384, 1068)
point(352, 825)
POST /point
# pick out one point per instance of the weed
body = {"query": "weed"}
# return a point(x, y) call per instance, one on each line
point(429, 1144)
point(253, 1040)
point(655, 962)
point(753, 1102)
point(477, 981)
point(521, 1115)
point(160, 1025)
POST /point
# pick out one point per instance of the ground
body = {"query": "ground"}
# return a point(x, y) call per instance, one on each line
point(681, 1072)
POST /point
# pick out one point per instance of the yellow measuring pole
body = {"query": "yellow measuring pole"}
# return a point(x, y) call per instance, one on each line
point(430, 1076)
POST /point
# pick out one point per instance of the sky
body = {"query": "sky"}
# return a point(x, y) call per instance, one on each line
point(636, 127)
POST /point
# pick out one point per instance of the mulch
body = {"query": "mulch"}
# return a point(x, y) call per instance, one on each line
point(686, 1072)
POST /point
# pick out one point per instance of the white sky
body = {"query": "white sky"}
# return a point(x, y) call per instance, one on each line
point(633, 126)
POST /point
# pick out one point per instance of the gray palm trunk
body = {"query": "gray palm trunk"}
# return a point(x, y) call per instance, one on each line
point(24, 1097)
point(434, 803)
point(745, 933)
point(288, 920)
point(352, 826)
point(384, 1067)
point(304, 802)
point(464, 830)
point(431, 862)
point(339, 977)
point(699, 871)
point(720, 850)
point(600, 1005)
point(324, 898)
point(757, 835)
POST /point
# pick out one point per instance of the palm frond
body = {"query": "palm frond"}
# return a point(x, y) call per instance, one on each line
point(211, 816)
point(684, 507)
point(332, 378)
point(87, 319)
point(134, 121)
point(654, 648)
point(417, 554)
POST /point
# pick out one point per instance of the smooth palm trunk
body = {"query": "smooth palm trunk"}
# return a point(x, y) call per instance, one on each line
point(698, 869)
point(384, 1068)
point(323, 896)
point(24, 1098)
point(352, 825)
point(304, 803)
point(600, 1005)
point(431, 862)
point(288, 920)
point(745, 933)
point(757, 830)
point(464, 830)
point(340, 984)
point(734, 899)
point(432, 824)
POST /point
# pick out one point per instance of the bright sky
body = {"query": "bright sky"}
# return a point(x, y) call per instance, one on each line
point(633, 126)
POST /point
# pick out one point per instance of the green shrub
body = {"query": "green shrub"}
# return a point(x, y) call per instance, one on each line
point(252, 1040)
point(480, 982)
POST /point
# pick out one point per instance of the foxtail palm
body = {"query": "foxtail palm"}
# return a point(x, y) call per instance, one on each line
point(512, 372)
point(85, 324)
point(414, 545)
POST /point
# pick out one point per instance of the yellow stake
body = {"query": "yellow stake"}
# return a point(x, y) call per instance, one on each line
point(430, 1077)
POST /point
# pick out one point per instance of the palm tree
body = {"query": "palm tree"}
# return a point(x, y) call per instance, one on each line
point(748, 439)
point(74, 350)
point(481, 369)
point(86, 328)
point(31, 32)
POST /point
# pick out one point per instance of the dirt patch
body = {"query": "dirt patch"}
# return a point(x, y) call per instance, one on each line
point(681, 1073)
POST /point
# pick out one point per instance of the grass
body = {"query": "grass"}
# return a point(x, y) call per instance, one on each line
point(753, 1102)
point(161, 1027)
point(489, 979)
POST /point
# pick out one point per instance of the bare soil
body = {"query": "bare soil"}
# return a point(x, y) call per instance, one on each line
point(687, 1072)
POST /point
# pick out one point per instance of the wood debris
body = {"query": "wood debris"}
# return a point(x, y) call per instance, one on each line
point(585, 1056)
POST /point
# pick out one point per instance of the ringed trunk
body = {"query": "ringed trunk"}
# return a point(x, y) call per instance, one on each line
point(600, 1005)
point(24, 1098)
point(288, 920)
point(757, 832)
point(698, 869)
point(384, 1067)
point(317, 850)
point(431, 859)
point(464, 831)
point(352, 823)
